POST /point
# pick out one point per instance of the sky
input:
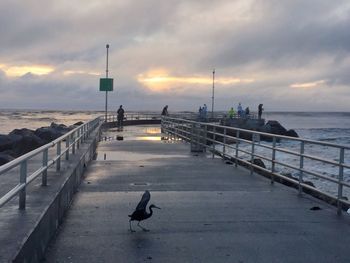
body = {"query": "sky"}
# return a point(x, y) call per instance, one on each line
point(291, 55)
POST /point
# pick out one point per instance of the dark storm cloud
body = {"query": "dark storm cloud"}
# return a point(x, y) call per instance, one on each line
point(288, 33)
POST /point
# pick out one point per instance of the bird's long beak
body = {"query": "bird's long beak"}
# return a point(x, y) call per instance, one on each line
point(156, 207)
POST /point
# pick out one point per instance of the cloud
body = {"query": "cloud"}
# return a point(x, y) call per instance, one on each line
point(261, 50)
point(313, 84)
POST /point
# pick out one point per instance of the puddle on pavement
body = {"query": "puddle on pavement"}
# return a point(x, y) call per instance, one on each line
point(136, 133)
point(132, 156)
point(142, 132)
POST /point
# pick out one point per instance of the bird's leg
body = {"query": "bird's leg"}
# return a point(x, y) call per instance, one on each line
point(144, 229)
point(131, 230)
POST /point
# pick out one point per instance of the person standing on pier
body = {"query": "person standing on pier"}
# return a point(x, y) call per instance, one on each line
point(200, 113)
point(239, 110)
point(120, 116)
point(165, 111)
point(204, 112)
point(260, 110)
point(231, 113)
point(247, 112)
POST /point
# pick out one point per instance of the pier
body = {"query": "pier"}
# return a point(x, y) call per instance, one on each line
point(213, 208)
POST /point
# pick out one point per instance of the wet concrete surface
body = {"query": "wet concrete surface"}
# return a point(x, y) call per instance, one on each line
point(211, 212)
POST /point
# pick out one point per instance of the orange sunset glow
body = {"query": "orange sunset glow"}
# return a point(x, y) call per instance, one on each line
point(17, 71)
point(308, 85)
point(161, 80)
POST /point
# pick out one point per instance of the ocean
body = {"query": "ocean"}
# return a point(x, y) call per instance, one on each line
point(333, 127)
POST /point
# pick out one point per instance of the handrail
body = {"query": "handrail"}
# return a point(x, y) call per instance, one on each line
point(212, 136)
point(262, 133)
point(134, 116)
point(72, 138)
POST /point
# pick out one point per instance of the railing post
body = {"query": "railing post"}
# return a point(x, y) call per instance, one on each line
point(273, 160)
point(181, 129)
point(58, 151)
point(214, 138)
point(237, 145)
point(78, 139)
point(224, 148)
point(73, 143)
point(205, 136)
point(67, 148)
point(23, 180)
point(252, 155)
point(175, 129)
point(340, 180)
point(82, 135)
point(301, 166)
point(44, 174)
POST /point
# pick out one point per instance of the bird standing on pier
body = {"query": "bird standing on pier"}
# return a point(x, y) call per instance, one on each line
point(140, 212)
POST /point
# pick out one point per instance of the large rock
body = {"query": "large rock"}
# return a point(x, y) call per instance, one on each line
point(259, 162)
point(292, 133)
point(25, 141)
point(53, 132)
point(21, 141)
point(5, 142)
point(48, 134)
point(22, 132)
point(274, 127)
point(78, 123)
point(27, 144)
point(60, 127)
point(5, 158)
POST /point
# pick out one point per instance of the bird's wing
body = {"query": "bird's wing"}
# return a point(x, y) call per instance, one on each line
point(144, 201)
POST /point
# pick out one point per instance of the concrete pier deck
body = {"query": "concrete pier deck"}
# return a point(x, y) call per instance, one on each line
point(211, 211)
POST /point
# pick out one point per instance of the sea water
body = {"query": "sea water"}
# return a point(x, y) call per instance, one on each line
point(327, 127)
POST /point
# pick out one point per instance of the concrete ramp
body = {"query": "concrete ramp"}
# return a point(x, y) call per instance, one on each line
point(211, 211)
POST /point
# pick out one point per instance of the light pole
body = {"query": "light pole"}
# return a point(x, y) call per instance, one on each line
point(107, 47)
point(212, 97)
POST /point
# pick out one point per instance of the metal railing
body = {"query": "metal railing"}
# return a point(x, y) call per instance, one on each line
point(61, 147)
point(134, 116)
point(244, 146)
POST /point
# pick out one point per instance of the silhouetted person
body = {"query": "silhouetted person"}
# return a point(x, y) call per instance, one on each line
point(165, 111)
point(247, 111)
point(260, 110)
point(200, 112)
point(239, 110)
point(120, 116)
point(204, 112)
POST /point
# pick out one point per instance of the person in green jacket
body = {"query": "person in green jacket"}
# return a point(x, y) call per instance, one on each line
point(231, 113)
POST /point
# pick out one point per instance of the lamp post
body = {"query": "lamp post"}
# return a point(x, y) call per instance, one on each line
point(212, 97)
point(107, 47)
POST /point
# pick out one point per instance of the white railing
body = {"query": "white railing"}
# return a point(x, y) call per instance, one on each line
point(63, 146)
point(228, 142)
point(134, 116)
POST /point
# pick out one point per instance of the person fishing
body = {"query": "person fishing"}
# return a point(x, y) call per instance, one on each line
point(120, 116)
point(260, 110)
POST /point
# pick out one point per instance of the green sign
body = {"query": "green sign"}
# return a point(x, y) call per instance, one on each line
point(106, 84)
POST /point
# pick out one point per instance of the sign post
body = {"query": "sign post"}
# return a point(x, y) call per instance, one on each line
point(106, 84)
